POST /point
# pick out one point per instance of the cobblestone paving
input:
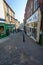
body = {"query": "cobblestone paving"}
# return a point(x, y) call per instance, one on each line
point(16, 52)
point(10, 55)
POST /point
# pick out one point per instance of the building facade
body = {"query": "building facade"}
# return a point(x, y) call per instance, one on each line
point(7, 15)
point(17, 23)
point(33, 18)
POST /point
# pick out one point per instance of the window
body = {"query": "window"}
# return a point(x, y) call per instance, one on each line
point(1, 29)
point(29, 12)
point(9, 17)
point(7, 10)
point(31, 7)
point(35, 4)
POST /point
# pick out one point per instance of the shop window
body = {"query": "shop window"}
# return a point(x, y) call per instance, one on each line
point(30, 29)
point(1, 29)
point(35, 24)
point(27, 24)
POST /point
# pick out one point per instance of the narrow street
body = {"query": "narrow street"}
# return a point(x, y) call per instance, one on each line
point(14, 51)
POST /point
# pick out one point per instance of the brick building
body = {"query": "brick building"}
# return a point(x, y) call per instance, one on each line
point(33, 18)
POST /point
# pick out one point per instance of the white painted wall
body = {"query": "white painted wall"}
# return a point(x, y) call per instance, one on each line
point(2, 10)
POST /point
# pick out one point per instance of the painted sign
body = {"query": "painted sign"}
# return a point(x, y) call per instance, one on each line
point(2, 21)
point(33, 18)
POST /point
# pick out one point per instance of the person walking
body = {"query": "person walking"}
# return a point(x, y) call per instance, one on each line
point(23, 37)
point(23, 33)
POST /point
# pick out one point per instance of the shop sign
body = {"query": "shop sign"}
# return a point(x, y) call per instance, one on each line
point(29, 20)
point(33, 18)
point(2, 21)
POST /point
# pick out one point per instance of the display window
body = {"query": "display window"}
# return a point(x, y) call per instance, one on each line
point(1, 29)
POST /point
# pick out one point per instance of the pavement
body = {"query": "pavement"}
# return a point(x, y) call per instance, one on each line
point(4, 39)
point(15, 51)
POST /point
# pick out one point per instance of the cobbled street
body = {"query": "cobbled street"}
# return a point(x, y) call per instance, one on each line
point(13, 51)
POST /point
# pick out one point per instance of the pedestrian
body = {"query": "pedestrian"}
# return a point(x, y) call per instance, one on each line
point(25, 29)
point(13, 31)
point(23, 36)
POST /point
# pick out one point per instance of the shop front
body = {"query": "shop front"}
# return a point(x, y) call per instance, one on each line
point(34, 26)
point(11, 27)
point(2, 29)
point(41, 38)
point(31, 25)
point(6, 29)
point(41, 35)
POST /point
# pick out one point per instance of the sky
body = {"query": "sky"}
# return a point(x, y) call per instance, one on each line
point(18, 7)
